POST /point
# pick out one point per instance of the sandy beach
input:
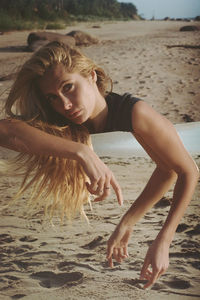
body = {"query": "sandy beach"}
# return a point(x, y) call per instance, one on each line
point(152, 60)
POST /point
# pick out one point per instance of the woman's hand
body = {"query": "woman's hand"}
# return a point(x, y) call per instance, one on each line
point(157, 258)
point(100, 176)
point(117, 247)
point(156, 262)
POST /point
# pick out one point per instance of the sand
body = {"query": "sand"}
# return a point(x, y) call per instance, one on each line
point(38, 261)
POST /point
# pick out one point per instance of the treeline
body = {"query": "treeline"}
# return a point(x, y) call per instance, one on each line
point(65, 10)
point(102, 8)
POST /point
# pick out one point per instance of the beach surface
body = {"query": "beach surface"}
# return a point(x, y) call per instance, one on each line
point(152, 60)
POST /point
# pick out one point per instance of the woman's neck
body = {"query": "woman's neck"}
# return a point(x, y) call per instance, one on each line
point(97, 123)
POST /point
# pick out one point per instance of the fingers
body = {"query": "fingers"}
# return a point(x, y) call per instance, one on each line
point(102, 188)
point(104, 191)
point(117, 189)
point(119, 254)
point(125, 250)
point(150, 276)
point(103, 196)
point(109, 255)
point(144, 268)
point(95, 186)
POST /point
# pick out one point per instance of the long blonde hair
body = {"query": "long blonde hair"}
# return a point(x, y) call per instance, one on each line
point(25, 97)
point(57, 184)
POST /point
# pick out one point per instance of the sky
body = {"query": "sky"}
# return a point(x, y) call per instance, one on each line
point(159, 9)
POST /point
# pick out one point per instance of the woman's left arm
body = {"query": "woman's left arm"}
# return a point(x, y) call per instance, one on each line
point(161, 141)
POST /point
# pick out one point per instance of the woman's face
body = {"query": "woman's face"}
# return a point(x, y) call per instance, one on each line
point(70, 94)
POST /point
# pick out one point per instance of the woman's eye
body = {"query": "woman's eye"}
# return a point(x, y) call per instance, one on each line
point(67, 87)
point(51, 98)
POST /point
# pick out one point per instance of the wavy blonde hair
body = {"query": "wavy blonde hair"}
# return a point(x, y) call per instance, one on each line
point(25, 97)
point(57, 184)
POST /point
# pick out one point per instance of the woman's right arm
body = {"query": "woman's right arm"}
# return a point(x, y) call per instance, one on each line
point(19, 136)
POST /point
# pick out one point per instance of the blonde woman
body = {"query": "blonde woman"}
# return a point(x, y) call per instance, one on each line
point(60, 87)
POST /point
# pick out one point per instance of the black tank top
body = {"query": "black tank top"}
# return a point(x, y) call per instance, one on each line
point(119, 112)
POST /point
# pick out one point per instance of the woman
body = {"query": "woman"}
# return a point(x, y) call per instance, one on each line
point(60, 86)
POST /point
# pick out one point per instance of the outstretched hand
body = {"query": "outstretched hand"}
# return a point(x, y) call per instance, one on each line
point(100, 176)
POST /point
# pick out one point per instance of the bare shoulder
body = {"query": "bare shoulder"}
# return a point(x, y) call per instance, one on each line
point(160, 139)
point(145, 118)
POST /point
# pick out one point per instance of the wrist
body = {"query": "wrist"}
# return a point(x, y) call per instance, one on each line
point(128, 220)
point(81, 152)
point(165, 238)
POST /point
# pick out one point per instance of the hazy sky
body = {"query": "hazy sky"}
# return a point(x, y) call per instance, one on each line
point(166, 8)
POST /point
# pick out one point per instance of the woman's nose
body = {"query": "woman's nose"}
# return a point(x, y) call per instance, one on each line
point(66, 103)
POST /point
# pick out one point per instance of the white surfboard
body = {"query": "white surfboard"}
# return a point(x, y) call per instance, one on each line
point(123, 144)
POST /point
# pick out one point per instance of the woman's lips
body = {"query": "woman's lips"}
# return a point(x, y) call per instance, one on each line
point(75, 114)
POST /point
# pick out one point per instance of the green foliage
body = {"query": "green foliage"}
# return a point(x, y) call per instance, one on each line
point(55, 25)
point(128, 10)
point(102, 8)
point(26, 14)
point(8, 23)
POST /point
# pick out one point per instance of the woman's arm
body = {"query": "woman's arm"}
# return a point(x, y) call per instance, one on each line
point(159, 138)
point(158, 184)
point(19, 136)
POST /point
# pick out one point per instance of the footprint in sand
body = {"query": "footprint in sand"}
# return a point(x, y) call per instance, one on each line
point(195, 231)
point(94, 243)
point(18, 296)
point(186, 253)
point(49, 279)
point(84, 255)
point(69, 265)
point(51, 254)
point(195, 264)
point(164, 202)
point(29, 239)
point(178, 284)
point(6, 238)
point(182, 227)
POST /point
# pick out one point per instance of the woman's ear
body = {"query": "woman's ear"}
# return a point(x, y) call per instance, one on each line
point(94, 76)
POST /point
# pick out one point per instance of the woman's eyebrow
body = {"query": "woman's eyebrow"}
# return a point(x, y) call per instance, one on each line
point(47, 93)
point(65, 81)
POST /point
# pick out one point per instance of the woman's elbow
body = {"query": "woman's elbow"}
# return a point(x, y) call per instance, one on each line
point(191, 170)
point(196, 172)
